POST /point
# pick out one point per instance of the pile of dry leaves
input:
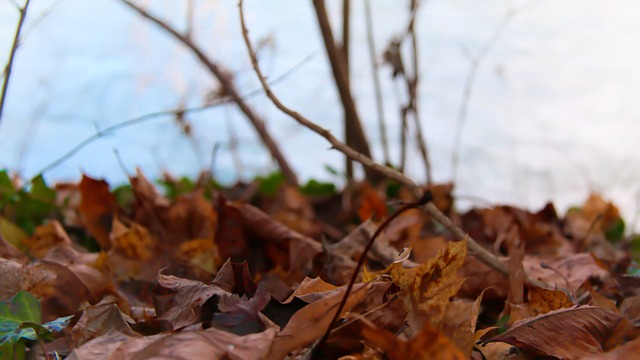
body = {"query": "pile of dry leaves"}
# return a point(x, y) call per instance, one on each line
point(232, 274)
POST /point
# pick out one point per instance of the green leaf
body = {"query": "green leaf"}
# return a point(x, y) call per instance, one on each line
point(317, 188)
point(6, 186)
point(32, 207)
point(40, 190)
point(269, 185)
point(175, 187)
point(21, 308)
point(616, 231)
point(393, 190)
point(124, 195)
point(635, 248)
point(13, 351)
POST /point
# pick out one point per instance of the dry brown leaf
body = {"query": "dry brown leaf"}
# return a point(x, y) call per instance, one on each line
point(310, 323)
point(566, 333)
point(294, 210)
point(428, 344)
point(630, 350)
point(371, 204)
point(235, 278)
point(542, 301)
point(344, 254)
point(460, 323)
point(431, 285)
point(97, 321)
point(286, 244)
point(97, 209)
point(201, 254)
point(12, 277)
point(45, 238)
point(197, 345)
point(179, 301)
point(134, 252)
point(310, 290)
point(568, 272)
point(62, 288)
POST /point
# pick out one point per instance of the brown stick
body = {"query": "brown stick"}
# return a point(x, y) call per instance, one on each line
point(12, 54)
point(344, 47)
point(424, 199)
point(229, 88)
point(376, 82)
point(412, 84)
point(354, 131)
point(478, 251)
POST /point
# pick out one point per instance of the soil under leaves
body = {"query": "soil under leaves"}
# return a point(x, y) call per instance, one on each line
point(203, 272)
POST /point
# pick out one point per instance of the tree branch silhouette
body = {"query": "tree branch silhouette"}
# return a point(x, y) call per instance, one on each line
point(228, 87)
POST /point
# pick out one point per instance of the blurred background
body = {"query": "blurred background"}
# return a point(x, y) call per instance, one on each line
point(520, 102)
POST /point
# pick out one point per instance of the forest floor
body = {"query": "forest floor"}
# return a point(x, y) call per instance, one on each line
point(186, 268)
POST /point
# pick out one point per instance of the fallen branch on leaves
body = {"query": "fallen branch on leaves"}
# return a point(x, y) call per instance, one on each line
point(478, 251)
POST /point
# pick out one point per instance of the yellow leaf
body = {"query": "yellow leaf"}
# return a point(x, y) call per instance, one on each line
point(12, 233)
point(432, 284)
point(367, 276)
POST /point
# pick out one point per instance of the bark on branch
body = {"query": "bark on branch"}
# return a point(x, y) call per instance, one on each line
point(475, 249)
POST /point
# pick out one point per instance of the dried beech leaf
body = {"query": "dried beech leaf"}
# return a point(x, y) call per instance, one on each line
point(310, 290)
point(310, 322)
point(566, 333)
point(629, 350)
point(194, 345)
point(97, 208)
point(179, 301)
point(427, 344)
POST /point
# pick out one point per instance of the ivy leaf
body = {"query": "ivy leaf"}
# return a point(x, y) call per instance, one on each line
point(21, 308)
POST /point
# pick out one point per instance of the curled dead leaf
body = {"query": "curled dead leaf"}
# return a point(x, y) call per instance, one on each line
point(566, 333)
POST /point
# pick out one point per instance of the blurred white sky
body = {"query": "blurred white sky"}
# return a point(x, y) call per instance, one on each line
point(553, 113)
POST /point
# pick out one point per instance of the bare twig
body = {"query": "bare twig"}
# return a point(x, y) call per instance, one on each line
point(476, 62)
point(412, 84)
point(376, 81)
point(425, 198)
point(229, 89)
point(355, 135)
point(12, 55)
point(165, 113)
point(393, 56)
point(346, 25)
point(474, 248)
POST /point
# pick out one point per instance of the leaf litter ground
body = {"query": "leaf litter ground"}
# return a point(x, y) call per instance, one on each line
point(258, 271)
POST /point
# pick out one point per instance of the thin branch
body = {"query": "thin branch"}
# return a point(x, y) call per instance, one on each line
point(355, 134)
point(144, 118)
point(412, 84)
point(229, 89)
point(474, 248)
point(475, 62)
point(376, 81)
point(346, 27)
point(12, 54)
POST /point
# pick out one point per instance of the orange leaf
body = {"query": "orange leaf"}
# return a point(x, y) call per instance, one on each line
point(97, 208)
point(371, 205)
point(427, 344)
